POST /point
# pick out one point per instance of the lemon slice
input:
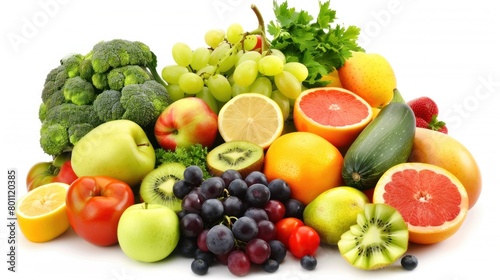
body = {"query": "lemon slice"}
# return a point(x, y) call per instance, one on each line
point(41, 213)
point(251, 117)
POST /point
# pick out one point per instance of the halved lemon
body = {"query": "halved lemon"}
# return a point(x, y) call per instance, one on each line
point(41, 213)
point(251, 117)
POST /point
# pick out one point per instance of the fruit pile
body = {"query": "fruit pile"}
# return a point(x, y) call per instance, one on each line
point(256, 151)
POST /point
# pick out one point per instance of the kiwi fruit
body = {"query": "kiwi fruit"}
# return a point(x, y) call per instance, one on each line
point(378, 239)
point(157, 185)
point(242, 156)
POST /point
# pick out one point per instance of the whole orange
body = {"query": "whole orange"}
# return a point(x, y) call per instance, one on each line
point(307, 162)
point(369, 76)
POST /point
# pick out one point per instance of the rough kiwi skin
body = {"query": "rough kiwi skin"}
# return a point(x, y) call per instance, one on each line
point(157, 186)
point(242, 156)
point(378, 239)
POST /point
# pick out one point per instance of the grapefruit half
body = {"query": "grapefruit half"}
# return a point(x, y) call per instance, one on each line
point(334, 113)
point(432, 201)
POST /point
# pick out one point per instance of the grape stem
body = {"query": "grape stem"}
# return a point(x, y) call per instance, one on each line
point(261, 29)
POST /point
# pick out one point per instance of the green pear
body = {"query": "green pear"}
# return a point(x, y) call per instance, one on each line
point(334, 211)
point(119, 149)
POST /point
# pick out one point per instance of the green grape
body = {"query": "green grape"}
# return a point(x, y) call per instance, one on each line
point(237, 89)
point(171, 73)
point(279, 54)
point(234, 33)
point(175, 92)
point(220, 87)
point(270, 65)
point(214, 37)
point(227, 62)
point(263, 86)
point(182, 54)
point(245, 73)
point(207, 96)
point(251, 42)
point(190, 83)
point(288, 85)
point(298, 69)
point(206, 71)
point(250, 55)
point(219, 53)
point(200, 58)
point(283, 102)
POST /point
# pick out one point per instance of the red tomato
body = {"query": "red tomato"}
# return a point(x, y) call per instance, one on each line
point(304, 241)
point(285, 227)
point(94, 205)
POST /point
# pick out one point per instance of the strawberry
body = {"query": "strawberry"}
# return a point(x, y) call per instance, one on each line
point(426, 112)
point(421, 122)
point(424, 107)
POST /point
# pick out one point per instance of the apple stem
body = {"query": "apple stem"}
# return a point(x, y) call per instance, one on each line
point(145, 205)
point(143, 144)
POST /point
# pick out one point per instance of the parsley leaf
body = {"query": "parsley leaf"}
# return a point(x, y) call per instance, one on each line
point(320, 45)
point(193, 155)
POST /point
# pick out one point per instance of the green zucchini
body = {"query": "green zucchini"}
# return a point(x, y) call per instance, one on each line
point(385, 142)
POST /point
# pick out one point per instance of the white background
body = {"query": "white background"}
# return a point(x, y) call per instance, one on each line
point(448, 50)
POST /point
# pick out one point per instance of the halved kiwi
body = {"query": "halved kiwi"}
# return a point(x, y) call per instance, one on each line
point(239, 155)
point(157, 185)
point(378, 239)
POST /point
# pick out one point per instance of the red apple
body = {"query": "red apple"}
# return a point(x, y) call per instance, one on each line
point(186, 122)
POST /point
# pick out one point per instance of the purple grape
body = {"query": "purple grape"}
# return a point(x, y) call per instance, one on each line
point(278, 250)
point(212, 187)
point(191, 225)
point(229, 175)
point(192, 202)
point(257, 195)
point(238, 188)
point(245, 229)
point(238, 263)
point(279, 189)
point(233, 206)
point(308, 262)
point(255, 177)
point(294, 208)
point(220, 240)
point(193, 175)
point(258, 250)
point(212, 210)
point(258, 214)
point(267, 230)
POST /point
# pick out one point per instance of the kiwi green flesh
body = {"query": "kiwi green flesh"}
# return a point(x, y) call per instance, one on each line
point(242, 156)
point(157, 185)
point(378, 239)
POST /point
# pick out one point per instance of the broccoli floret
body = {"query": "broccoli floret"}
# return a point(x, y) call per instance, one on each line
point(127, 75)
point(72, 64)
point(57, 77)
point(79, 91)
point(141, 103)
point(108, 107)
point(64, 125)
point(116, 53)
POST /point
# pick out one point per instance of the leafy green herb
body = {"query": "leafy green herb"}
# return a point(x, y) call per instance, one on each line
point(193, 155)
point(320, 45)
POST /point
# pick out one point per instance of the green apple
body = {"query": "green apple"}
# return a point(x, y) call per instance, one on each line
point(119, 149)
point(148, 232)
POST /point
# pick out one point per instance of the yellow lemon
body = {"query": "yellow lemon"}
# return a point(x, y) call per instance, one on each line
point(41, 213)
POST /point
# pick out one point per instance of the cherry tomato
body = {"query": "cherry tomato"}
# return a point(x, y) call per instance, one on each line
point(285, 227)
point(304, 241)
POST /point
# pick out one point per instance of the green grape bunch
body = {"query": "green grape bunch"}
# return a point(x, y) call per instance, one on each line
point(234, 62)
